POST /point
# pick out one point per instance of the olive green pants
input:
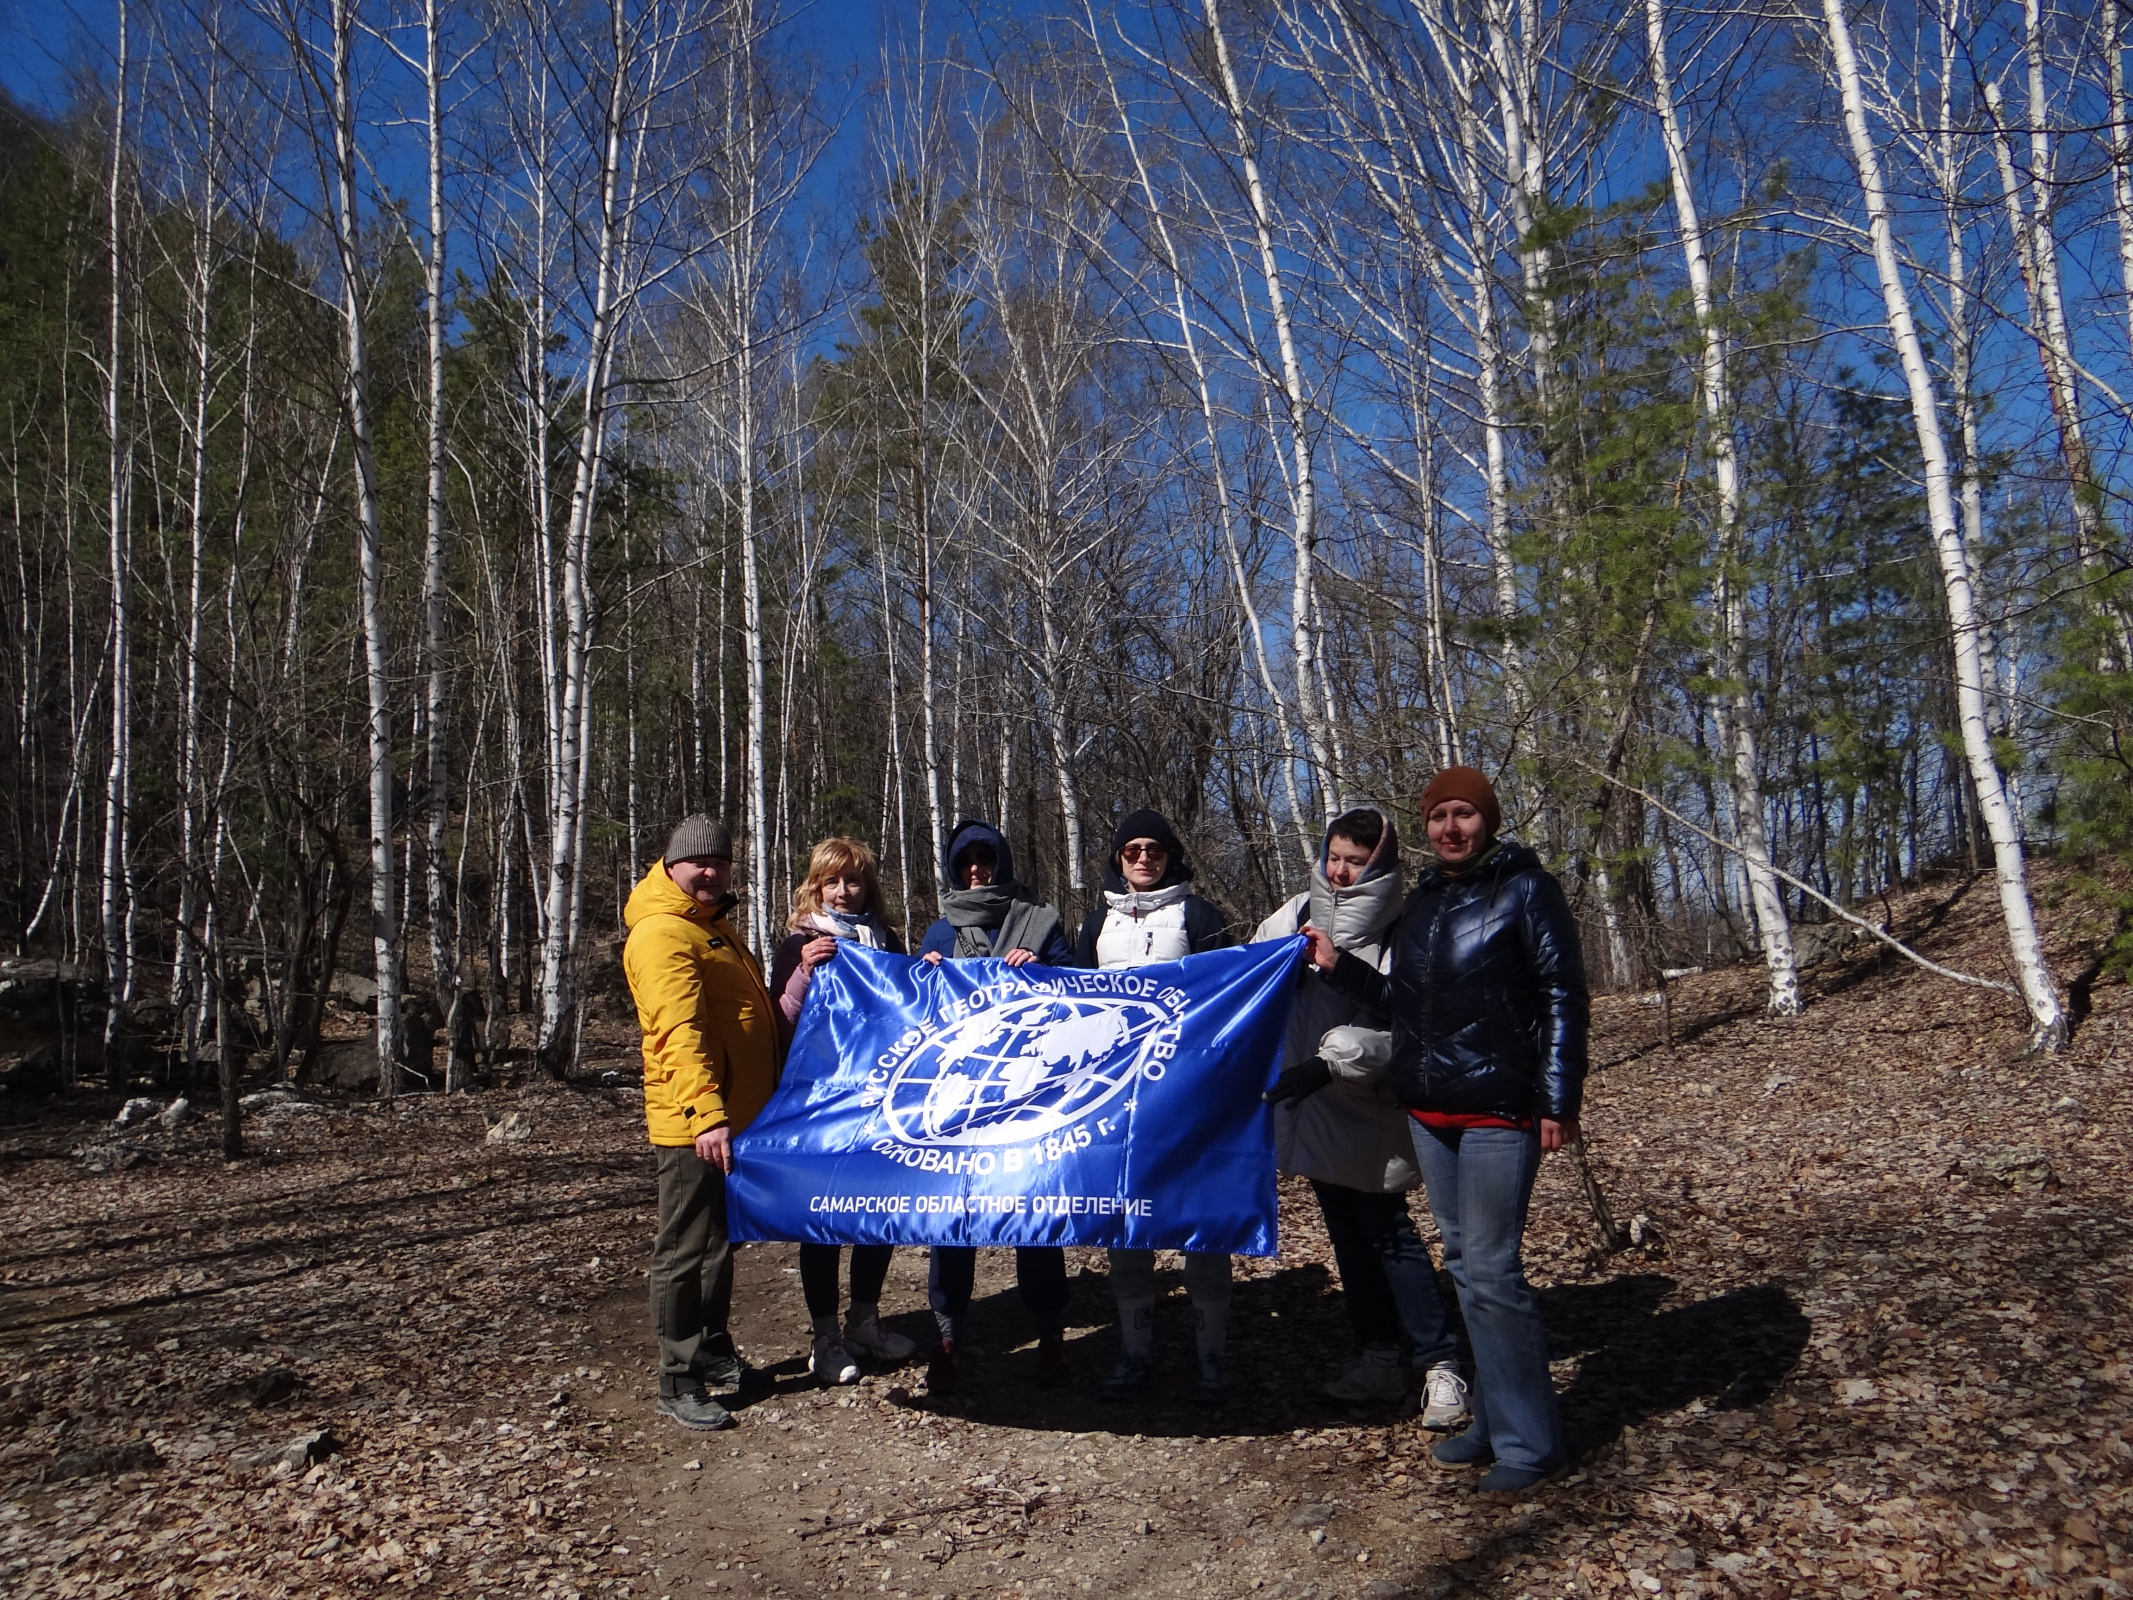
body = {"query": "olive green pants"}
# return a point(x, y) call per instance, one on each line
point(692, 1264)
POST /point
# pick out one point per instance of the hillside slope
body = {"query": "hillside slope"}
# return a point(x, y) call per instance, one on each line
point(1875, 1342)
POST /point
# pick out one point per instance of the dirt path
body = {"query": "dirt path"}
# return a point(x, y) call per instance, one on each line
point(1876, 1343)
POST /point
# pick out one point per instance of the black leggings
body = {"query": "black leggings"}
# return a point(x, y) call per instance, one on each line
point(818, 1275)
point(1387, 1278)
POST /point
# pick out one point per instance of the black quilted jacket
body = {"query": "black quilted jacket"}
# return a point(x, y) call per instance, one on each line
point(1486, 997)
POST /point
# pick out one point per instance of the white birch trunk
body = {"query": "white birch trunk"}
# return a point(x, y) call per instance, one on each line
point(892, 796)
point(2036, 252)
point(2029, 218)
point(1059, 738)
point(1303, 477)
point(1736, 709)
point(186, 988)
point(556, 1039)
point(118, 776)
point(1525, 176)
point(370, 554)
point(2039, 991)
point(441, 892)
point(1188, 335)
point(759, 864)
point(1962, 332)
point(1490, 361)
point(2120, 139)
point(929, 677)
point(742, 159)
point(923, 491)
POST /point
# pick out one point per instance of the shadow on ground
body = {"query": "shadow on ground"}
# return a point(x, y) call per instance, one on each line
point(1730, 1351)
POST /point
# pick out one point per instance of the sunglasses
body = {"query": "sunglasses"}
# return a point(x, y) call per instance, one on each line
point(1134, 852)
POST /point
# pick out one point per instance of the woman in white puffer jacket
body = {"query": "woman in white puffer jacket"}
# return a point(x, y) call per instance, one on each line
point(1150, 914)
point(1338, 1123)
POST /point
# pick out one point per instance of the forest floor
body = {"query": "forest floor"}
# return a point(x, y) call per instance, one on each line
point(1876, 1342)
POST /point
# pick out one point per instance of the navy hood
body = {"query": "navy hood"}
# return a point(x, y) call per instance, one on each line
point(969, 832)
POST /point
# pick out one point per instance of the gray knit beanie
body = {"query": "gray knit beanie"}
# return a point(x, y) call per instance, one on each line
point(698, 835)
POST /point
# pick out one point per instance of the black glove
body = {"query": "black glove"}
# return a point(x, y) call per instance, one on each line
point(1299, 1082)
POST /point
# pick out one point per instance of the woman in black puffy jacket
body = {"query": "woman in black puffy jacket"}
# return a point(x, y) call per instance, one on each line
point(1486, 999)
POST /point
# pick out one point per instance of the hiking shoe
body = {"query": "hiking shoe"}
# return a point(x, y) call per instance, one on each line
point(871, 1341)
point(1128, 1378)
point(1510, 1482)
point(1444, 1404)
point(1377, 1377)
point(722, 1369)
point(831, 1362)
point(942, 1378)
point(695, 1409)
point(1052, 1370)
point(1209, 1388)
point(1467, 1449)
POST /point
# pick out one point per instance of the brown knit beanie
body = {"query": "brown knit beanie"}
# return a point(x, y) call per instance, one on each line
point(1464, 783)
point(698, 836)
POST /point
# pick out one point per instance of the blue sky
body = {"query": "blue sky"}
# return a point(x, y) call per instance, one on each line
point(41, 39)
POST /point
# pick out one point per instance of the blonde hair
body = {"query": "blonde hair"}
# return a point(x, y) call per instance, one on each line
point(835, 857)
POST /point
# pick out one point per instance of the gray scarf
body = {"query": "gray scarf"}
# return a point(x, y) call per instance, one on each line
point(1356, 917)
point(996, 918)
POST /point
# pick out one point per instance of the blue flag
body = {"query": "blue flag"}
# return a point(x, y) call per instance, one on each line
point(974, 1103)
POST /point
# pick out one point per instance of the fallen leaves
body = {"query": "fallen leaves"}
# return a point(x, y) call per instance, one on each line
point(1863, 1347)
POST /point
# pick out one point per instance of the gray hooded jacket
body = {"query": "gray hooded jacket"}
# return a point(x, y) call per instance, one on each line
point(1352, 1132)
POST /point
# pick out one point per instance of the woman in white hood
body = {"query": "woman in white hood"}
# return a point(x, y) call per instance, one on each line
point(1338, 1123)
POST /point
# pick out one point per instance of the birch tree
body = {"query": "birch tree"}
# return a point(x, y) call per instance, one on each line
point(1737, 719)
point(622, 77)
point(115, 881)
point(2039, 990)
point(370, 534)
point(1303, 475)
point(2029, 216)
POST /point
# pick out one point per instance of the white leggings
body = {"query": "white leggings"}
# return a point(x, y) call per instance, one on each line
point(1206, 1276)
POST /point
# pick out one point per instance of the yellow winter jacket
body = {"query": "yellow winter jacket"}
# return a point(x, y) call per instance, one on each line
point(710, 1030)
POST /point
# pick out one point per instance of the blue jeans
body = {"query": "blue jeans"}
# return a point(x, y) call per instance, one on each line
point(1387, 1279)
point(1479, 1182)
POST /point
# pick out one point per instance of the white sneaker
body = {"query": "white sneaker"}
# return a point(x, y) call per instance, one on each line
point(1376, 1377)
point(1443, 1398)
point(870, 1339)
point(830, 1362)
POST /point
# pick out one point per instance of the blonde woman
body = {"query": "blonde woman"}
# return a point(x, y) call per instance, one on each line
point(837, 903)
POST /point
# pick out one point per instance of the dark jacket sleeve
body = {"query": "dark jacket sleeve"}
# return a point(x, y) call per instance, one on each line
point(1057, 952)
point(1558, 967)
point(1204, 927)
point(1085, 947)
point(783, 963)
point(939, 940)
point(1359, 983)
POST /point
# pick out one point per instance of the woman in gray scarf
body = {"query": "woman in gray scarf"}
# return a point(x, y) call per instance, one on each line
point(1338, 1123)
point(988, 913)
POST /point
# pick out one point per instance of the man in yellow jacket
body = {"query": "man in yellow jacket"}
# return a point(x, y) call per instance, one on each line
point(710, 1062)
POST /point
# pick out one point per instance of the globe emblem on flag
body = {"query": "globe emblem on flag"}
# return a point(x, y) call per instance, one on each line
point(1021, 1070)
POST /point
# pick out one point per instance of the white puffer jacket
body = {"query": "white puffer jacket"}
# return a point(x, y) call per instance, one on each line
point(1144, 926)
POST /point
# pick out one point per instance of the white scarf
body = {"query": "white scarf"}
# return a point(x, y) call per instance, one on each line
point(837, 925)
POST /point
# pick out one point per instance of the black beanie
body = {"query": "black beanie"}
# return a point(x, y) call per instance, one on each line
point(1145, 824)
